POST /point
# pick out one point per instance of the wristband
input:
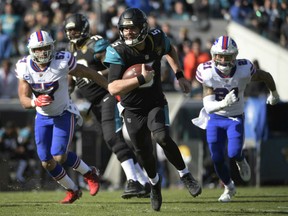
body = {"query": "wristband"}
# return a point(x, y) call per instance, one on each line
point(141, 80)
point(179, 74)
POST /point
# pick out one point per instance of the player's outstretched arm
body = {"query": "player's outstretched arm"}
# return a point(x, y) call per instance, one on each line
point(267, 78)
point(83, 71)
point(173, 61)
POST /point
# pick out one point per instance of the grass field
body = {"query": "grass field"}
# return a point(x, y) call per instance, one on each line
point(176, 202)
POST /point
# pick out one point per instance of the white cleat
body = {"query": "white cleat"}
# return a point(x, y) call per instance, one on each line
point(229, 192)
point(244, 170)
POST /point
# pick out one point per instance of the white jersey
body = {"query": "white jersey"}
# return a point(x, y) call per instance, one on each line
point(53, 81)
point(238, 79)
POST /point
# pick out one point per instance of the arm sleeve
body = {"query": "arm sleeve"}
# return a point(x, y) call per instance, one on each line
point(211, 105)
point(114, 72)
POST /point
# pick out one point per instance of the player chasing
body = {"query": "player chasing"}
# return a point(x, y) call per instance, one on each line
point(43, 75)
point(145, 107)
point(224, 80)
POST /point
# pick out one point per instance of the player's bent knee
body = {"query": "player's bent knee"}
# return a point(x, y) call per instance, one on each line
point(60, 158)
point(161, 137)
point(48, 165)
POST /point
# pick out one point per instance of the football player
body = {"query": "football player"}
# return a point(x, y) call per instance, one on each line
point(90, 51)
point(224, 79)
point(145, 107)
point(43, 75)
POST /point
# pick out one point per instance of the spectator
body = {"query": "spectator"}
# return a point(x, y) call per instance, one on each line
point(8, 140)
point(6, 45)
point(219, 8)
point(152, 20)
point(143, 5)
point(11, 25)
point(183, 44)
point(284, 33)
point(275, 23)
point(166, 28)
point(8, 81)
point(24, 152)
point(259, 19)
point(240, 11)
point(201, 14)
point(112, 33)
point(179, 11)
point(191, 61)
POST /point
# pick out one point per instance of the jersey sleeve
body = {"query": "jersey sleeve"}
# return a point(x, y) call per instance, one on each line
point(21, 68)
point(203, 73)
point(112, 57)
point(100, 45)
point(71, 61)
point(252, 68)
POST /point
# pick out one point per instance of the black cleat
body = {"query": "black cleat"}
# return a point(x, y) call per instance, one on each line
point(156, 196)
point(133, 189)
point(191, 184)
point(147, 189)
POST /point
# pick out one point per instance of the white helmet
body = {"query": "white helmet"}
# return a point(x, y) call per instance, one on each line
point(224, 45)
point(41, 39)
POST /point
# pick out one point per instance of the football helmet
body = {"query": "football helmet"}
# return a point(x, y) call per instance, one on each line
point(133, 17)
point(226, 46)
point(80, 26)
point(43, 40)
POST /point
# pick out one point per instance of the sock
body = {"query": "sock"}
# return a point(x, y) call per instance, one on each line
point(83, 168)
point(76, 163)
point(154, 180)
point(141, 175)
point(129, 169)
point(183, 172)
point(60, 175)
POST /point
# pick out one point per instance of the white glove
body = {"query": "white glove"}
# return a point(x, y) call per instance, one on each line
point(229, 99)
point(273, 98)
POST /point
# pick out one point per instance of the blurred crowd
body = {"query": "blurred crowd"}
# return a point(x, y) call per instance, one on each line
point(17, 153)
point(19, 18)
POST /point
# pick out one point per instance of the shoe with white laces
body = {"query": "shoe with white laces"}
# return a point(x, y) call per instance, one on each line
point(229, 192)
point(244, 170)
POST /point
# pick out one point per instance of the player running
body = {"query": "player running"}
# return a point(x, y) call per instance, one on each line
point(43, 75)
point(90, 51)
point(145, 107)
point(224, 80)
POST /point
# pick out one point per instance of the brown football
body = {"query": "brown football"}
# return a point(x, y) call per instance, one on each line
point(135, 70)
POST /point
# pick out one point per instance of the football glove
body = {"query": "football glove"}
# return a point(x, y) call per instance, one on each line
point(273, 98)
point(229, 99)
point(42, 100)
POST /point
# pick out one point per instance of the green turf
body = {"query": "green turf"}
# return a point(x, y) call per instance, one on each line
point(248, 201)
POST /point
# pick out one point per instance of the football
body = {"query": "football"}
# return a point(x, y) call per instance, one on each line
point(135, 70)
